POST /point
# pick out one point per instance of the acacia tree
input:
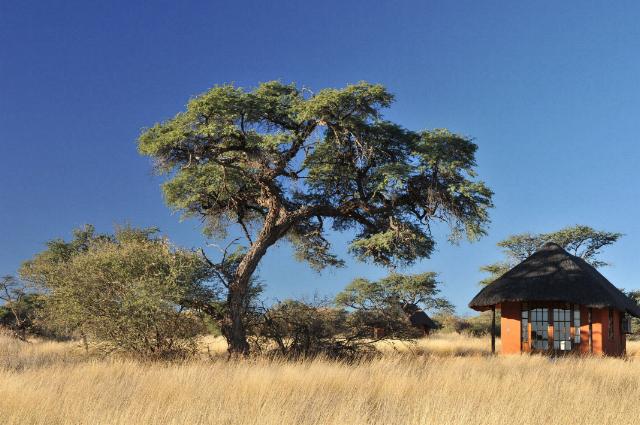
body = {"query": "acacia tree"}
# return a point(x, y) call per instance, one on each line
point(280, 162)
point(387, 302)
point(394, 291)
point(579, 240)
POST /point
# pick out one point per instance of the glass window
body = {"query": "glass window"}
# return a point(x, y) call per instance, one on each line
point(540, 329)
point(524, 323)
point(610, 324)
point(626, 324)
point(576, 324)
point(562, 329)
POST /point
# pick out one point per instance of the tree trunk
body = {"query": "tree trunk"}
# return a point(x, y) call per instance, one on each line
point(237, 332)
point(276, 225)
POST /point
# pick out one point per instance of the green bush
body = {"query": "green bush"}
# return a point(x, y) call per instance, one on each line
point(129, 292)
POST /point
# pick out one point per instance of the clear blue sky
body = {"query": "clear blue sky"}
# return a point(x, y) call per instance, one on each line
point(549, 90)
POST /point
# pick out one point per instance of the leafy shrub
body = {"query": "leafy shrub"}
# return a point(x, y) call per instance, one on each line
point(129, 292)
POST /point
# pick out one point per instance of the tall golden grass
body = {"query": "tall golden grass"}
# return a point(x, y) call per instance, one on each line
point(442, 380)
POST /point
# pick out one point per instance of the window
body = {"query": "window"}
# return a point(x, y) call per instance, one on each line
point(524, 323)
point(626, 324)
point(562, 329)
point(576, 324)
point(610, 324)
point(540, 329)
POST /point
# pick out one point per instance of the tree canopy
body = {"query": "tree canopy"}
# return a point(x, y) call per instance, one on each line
point(579, 240)
point(279, 162)
point(394, 290)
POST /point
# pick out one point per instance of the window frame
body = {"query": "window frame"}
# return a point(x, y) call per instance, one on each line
point(539, 315)
point(610, 326)
point(576, 322)
point(562, 324)
point(524, 324)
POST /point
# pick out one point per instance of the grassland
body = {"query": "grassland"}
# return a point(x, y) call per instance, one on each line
point(442, 380)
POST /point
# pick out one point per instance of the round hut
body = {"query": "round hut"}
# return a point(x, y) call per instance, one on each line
point(555, 302)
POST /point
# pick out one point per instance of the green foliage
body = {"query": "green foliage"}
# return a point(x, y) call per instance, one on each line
point(129, 291)
point(495, 270)
point(448, 322)
point(635, 322)
point(277, 162)
point(388, 302)
point(481, 324)
point(20, 307)
point(581, 241)
point(394, 290)
point(478, 325)
point(585, 242)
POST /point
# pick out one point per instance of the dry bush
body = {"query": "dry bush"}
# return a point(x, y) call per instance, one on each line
point(296, 330)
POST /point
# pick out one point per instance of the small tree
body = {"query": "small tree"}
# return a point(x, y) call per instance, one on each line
point(581, 241)
point(383, 303)
point(281, 163)
point(129, 291)
point(20, 307)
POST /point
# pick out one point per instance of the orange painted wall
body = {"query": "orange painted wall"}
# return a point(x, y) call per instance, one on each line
point(602, 344)
point(611, 346)
point(510, 328)
point(584, 330)
point(598, 331)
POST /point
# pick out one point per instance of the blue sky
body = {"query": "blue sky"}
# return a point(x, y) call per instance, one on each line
point(549, 91)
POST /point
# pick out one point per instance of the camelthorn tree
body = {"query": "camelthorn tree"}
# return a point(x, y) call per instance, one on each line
point(280, 162)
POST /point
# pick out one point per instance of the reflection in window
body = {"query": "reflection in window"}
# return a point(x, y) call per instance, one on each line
point(540, 329)
point(562, 329)
point(524, 323)
point(610, 323)
point(576, 324)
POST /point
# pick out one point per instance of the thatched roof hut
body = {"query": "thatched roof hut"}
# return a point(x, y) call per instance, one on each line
point(557, 302)
point(552, 274)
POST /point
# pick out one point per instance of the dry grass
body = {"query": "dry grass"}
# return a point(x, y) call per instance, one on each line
point(58, 384)
point(17, 355)
point(440, 345)
point(633, 349)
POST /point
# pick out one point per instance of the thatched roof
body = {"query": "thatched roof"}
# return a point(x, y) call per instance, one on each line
point(418, 317)
point(552, 274)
